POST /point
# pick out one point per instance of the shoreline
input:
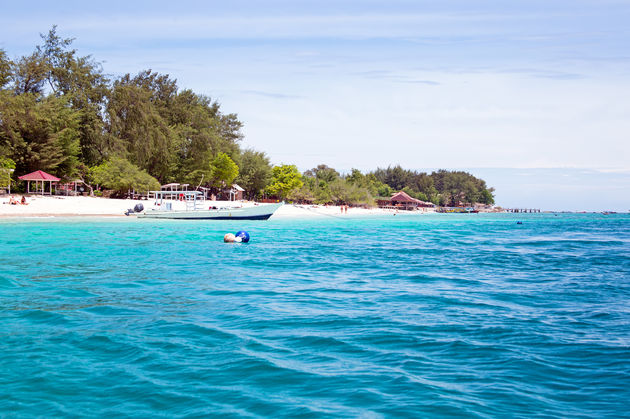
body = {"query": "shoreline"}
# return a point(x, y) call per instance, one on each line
point(86, 206)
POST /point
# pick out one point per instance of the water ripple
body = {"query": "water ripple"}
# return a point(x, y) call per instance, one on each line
point(437, 315)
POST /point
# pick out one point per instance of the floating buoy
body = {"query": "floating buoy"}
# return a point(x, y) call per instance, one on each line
point(240, 237)
point(243, 235)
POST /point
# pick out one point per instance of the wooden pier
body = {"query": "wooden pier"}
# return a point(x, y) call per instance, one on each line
point(522, 210)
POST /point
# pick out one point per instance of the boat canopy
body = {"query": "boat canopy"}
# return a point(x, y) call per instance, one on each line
point(192, 198)
point(176, 193)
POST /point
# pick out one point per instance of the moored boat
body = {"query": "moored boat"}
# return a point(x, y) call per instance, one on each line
point(189, 205)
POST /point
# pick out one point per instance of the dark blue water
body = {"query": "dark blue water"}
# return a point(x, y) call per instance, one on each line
point(407, 316)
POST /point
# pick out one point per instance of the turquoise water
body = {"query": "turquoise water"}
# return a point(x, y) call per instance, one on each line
point(407, 316)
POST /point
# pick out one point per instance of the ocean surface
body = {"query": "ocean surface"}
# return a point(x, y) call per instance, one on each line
point(448, 315)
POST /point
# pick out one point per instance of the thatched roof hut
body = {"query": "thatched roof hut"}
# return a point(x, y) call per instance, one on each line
point(402, 200)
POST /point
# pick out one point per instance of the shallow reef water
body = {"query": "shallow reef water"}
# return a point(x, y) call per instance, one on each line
point(451, 315)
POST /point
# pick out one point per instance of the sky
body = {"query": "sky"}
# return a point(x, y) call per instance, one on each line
point(532, 96)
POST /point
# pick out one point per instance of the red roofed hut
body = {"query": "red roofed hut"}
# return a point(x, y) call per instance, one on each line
point(39, 176)
point(403, 201)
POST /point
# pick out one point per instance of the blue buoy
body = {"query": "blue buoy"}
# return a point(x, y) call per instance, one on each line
point(243, 235)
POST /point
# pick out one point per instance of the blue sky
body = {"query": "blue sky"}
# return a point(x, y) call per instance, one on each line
point(541, 86)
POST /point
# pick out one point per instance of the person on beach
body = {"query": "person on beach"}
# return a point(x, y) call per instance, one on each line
point(23, 201)
point(12, 201)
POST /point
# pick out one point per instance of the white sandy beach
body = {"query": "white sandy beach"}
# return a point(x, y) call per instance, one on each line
point(72, 206)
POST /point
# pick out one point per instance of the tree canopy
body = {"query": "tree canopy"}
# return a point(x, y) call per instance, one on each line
point(120, 175)
point(255, 172)
point(285, 179)
point(60, 112)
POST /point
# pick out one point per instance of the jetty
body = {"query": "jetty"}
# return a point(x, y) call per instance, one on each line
point(522, 210)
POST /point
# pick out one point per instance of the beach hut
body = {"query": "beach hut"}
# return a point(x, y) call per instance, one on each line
point(75, 187)
point(236, 193)
point(402, 200)
point(40, 176)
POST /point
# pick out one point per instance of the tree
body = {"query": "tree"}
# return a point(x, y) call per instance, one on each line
point(302, 194)
point(321, 191)
point(29, 74)
point(134, 119)
point(487, 197)
point(458, 187)
point(81, 81)
point(345, 192)
point(254, 172)
point(396, 176)
point(284, 180)
point(40, 134)
point(224, 170)
point(121, 175)
point(5, 69)
point(322, 172)
point(7, 166)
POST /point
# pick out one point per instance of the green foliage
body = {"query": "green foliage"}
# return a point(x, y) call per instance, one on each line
point(345, 192)
point(254, 173)
point(324, 185)
point(461, 188)
point(81, 81)
point(29, 74)
point(443, 187)
point(396, 177)
point(171, 135)
point(121, 175)
point(284, 180)
point(224, 170)
point(198, 176)
point(323, 172)
point(6, 163)
point(318, 180)
point(321, 191)
point(136, 121)
point(5, 69)
point(302, 195)
point(40, 134)
point(370, 182)
point(60, 113)
point(6, 167)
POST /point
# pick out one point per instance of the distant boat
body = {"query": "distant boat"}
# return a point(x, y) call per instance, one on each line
point(195, 208)
point(458, 210)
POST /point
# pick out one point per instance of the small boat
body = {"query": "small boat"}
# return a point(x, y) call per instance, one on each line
point(190, 205)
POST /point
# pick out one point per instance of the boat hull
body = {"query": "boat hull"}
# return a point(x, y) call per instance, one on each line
point(258, 212)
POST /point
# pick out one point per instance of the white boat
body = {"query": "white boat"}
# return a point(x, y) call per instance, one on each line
point(190, 205)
